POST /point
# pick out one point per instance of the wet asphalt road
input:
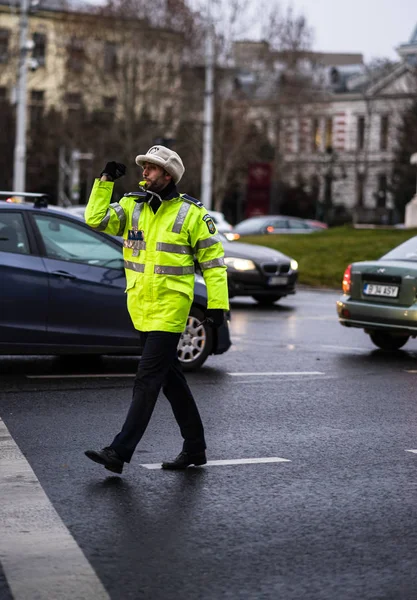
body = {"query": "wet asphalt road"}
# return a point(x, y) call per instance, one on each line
point(337, 522)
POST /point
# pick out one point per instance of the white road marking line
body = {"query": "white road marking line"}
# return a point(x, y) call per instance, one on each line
point(363, 349)
point(310, 318)
point(83, 375)
point(278, 373)
point(121, 375)
point(413, 451)
point(233, 461)
point(407, 371)
point(244, 341)
point(40, 558)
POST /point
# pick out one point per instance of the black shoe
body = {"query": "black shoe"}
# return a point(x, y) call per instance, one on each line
point(107, 457)
point(184, 460)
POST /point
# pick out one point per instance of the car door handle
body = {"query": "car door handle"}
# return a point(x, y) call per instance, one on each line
point(64, 274)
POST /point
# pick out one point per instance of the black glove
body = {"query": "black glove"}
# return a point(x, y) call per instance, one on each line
point(215, 316)
point(114, 170)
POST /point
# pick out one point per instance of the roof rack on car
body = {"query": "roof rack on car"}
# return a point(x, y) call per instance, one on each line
point(41, 200)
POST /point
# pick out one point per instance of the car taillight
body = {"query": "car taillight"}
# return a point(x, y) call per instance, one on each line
point(347, 280)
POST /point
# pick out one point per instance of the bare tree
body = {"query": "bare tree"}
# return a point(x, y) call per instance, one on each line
point(128, 76)
point(121, 90)
point(242, 112)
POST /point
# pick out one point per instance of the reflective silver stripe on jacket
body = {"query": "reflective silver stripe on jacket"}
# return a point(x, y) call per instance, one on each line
point(182, 213)
point(122, 216)
point(135, 245)
point(161, 270)
point(210, 264)
point(135, 226)
point(215, 239)
point(136, 214)
point(175, 248)
point(104, 222)
point(139, 268)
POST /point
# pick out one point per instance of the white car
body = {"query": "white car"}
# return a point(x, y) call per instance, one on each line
point(77, 209)
point(221, 224)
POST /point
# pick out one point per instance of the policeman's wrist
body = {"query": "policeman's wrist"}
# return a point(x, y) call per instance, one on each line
point(106, 177)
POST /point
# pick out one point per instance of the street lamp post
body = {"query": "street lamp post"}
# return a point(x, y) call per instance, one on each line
point(19, 170)
point(207, 162)
point(413, 161)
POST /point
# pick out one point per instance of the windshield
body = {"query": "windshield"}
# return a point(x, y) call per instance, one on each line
point(405, 251)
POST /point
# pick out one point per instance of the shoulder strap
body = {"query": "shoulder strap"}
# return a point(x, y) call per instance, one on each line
point(141, 195)
point(192, 200)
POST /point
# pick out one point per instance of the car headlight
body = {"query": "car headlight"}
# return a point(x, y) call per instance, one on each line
point(240, 264)
point(294, 265)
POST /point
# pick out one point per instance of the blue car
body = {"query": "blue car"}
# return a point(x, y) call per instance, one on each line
point(62, 291)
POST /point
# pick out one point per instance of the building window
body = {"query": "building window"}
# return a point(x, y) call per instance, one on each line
point(329, 133)
point(37, 106)
point(360, 133)
point(4, 45)
point(106, 113)
point(334, 76)
point(360, 189)
point(170, 70)
point(382, 191)
point(74, 103)
point(73, 100)
point(169, 114)
point(383, 142)
point(110, 57)
point(316, 135)
point(39, 50)
point(76, 55)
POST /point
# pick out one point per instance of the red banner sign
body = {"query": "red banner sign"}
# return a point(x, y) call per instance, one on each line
point(258, 189)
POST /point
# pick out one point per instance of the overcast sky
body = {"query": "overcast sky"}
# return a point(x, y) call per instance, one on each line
point(372, 27)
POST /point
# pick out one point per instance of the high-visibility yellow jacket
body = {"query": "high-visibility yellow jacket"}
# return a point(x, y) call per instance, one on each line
point(159, 252)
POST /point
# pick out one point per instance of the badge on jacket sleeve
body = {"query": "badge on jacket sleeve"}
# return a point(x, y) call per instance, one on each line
point(210, 223)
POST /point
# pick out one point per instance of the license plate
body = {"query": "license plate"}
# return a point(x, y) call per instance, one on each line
point(281, 280)
point(389, 291)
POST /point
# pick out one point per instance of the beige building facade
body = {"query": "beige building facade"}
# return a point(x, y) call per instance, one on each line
point(92, 62)
point(344, 144)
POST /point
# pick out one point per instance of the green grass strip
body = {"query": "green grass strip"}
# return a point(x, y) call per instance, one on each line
point(323, 256)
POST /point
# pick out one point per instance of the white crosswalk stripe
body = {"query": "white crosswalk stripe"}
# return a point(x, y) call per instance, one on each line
point(40, 558)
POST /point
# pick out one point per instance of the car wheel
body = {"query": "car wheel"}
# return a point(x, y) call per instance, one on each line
point(196, 342)
point(386, 341)
point(266, 300)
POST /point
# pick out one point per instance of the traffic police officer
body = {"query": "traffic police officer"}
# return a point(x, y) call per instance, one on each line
point(163, 232)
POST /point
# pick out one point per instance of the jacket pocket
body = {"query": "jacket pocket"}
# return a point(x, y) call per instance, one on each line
point(130, 284)
point(178, 285)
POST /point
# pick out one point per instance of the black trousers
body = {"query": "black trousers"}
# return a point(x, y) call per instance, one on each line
point(158, 368)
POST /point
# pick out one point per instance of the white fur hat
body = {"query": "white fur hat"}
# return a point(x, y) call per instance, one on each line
point(165, 158)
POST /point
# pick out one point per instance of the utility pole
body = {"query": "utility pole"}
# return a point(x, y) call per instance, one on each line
point(207, 163)
point(69, 176)
point(19, 169)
